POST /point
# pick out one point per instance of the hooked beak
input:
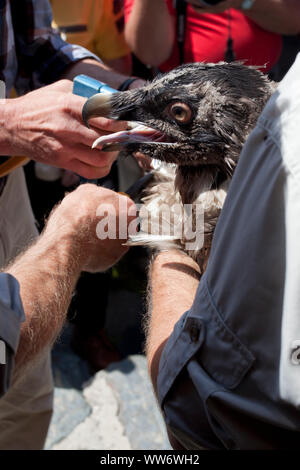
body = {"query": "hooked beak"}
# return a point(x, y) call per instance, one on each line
point(97, 105)
point(101, 105)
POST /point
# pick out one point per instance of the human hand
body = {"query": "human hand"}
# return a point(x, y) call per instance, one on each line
point(137, 83)
point(144, 162)
point(95, 222)
point(219, 8)
point(46, 125)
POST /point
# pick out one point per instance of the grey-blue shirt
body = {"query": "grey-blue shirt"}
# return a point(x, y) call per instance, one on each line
point(229, 374)
point(11, 317)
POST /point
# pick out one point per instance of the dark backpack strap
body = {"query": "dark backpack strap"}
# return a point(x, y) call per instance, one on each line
point(180, 6)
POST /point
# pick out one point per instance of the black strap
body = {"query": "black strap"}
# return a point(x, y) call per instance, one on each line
point(180, 6)
point(229, 53)
point(125, 85)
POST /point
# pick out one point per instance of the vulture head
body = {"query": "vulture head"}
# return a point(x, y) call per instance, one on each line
point(197, 117)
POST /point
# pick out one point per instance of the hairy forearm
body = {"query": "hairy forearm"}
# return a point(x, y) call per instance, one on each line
point(121, 64)
point(278, 16)
point(150, 31)
point(174, 278)
point(7, 119)
point(47, 273)
point(96, 70)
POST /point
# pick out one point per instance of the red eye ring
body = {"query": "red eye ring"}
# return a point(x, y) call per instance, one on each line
point(181, 112)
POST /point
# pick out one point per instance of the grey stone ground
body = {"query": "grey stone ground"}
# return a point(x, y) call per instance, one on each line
point(115, 408)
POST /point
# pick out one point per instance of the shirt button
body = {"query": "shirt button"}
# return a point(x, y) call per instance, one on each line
point(295, 355)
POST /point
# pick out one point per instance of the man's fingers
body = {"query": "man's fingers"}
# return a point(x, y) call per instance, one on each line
point(144, 161)
point(94, 157)
point(98, 127)
point(88, 171)
point(107, 125)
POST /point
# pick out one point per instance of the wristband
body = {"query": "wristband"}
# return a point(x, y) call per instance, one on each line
point(125, 85)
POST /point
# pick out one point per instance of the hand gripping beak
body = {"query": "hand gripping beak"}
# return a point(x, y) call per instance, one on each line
point(97, 105)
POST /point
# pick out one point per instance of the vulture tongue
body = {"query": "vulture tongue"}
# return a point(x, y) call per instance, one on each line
point(138, 134)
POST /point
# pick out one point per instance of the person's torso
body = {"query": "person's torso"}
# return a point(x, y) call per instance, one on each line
point(206, 37)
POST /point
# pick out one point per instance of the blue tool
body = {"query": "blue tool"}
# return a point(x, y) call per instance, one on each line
point(86, 86)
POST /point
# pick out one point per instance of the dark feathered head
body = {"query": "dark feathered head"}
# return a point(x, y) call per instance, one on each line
point(199, 117)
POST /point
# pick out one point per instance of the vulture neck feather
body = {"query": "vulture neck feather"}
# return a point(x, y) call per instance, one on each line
point(191, 181)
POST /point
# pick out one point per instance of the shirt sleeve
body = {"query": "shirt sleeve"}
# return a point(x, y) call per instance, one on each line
point(11, 317)
point(41, 53)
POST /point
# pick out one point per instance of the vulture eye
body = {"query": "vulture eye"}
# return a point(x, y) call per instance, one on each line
point(181, 112)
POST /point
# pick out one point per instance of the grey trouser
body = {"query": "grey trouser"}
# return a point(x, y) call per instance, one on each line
point(26, 409)
point(230, 373)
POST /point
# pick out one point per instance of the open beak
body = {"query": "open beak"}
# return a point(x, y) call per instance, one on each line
point(98, 105)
